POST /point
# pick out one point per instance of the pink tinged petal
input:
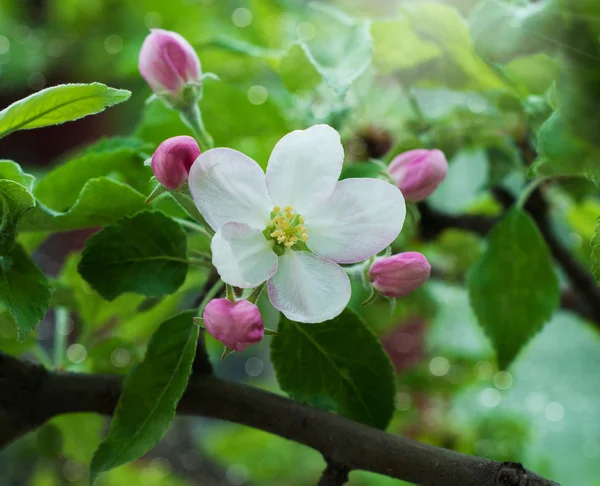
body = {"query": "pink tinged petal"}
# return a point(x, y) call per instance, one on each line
point(242, 255)
point(400, 274)
point(237, 325)
point(304, 167)
point(172, 160)
point(228, 186)
point(307, 288)
point(168, 62)
point(360, 219)
point(418, 173)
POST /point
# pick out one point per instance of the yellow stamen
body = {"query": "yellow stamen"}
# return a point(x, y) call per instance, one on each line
point(286, 227)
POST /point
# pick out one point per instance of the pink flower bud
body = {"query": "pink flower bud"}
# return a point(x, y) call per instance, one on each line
point(237, 326)
point(417, 173)
point(168, 62)
point(398, 275)
point(173, 159)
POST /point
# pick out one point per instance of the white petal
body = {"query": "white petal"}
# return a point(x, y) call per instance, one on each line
point(361, 218)
point(228, 186)
point(304, 167)
point(242, 255)
point(307, 288)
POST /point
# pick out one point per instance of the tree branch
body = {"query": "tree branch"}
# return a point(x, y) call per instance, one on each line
point(334, 475)
point(30, 395)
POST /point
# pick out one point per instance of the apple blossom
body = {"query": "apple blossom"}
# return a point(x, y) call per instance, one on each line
point(418, 173)
point(172, 160)
point(293, 227)
point(399, 275)
point(237, 325)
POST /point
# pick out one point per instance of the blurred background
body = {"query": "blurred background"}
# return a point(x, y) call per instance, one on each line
point(544, 412)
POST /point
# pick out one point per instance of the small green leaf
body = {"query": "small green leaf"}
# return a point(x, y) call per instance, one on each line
point(15, 200)
point(150, 395)
point(533, 74)
point(102, 201)
point(396, 46)
point(595, 255)
point(24, 290)
point(297, 70)
point(61, 187)
point(513, 287)
point(59, 104)
point(341, 49)
point(12, 171)
point(561, 152)
point(145, 253)
point(337, 365)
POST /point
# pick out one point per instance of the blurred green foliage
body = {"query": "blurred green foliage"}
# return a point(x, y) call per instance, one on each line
point(481, 80)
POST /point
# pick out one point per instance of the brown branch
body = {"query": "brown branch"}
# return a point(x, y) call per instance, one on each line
point(334, 475)
point(30, 395)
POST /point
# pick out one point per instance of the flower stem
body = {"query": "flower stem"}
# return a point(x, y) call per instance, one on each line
point(194, 226)
point(192, 118)
point(230, 293)
point(532, 186)
point(253, 297)
point(61, 326)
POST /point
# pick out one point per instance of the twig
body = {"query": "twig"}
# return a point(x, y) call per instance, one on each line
point(334, 475)
point(30, 395)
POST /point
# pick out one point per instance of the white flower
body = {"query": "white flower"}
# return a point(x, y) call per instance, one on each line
point(292, 227)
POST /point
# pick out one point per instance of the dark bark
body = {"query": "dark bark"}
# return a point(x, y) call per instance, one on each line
point(30, 395)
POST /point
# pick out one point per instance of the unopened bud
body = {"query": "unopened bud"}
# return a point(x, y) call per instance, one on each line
point(399, 275)
point(237, 325)
point(417, 173)
point(169, 64)
point(173, 159)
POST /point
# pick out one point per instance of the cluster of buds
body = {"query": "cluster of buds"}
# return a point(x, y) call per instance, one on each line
point(172, 69)
point(417, 173)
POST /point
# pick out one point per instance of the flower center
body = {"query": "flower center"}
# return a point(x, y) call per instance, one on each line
point(286, 227)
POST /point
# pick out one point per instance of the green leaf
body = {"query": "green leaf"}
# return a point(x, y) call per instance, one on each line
point(341, 49)
point(145, 253)
point(150, 395)
point(532, 74)
point(61, 187)
point(15, 200)
point(595, 255)
point(59, 104)
point(502, 31)
point(337, 365)
point(12, 171)
point(102, 201)
point(396, 46)
point(297, 71)
point(24, 290)
point(513, 287)
point(460, 67)
point(468, 175)
point(561, 152)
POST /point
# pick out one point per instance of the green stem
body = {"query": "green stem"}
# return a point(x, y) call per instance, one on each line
point(230, 293)
point(194, 226)
point(532, 186)
point(61, 326)
point(41, 354)
point(192, 118)
point(253, 297)
point(210, 295)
